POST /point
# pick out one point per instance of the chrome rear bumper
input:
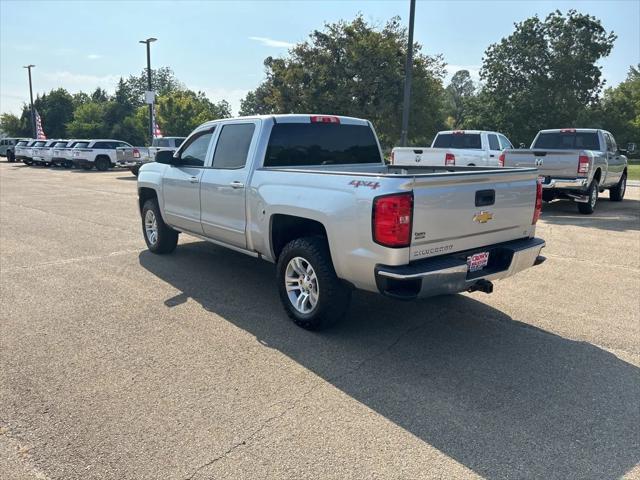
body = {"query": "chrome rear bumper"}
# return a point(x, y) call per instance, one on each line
point(449, 274)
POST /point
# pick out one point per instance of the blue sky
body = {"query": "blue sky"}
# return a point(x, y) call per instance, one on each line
point(219, 46)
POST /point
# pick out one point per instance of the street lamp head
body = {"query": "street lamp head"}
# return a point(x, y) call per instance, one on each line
point(148, 40)
point(28, 66)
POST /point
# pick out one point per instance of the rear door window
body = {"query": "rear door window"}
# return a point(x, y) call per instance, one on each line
point(493, 142)
point(470, 141)
point(304, 144)
point(569, 140)
point(233, 145)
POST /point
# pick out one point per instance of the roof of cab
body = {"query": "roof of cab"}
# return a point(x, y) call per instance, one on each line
point(289, 118)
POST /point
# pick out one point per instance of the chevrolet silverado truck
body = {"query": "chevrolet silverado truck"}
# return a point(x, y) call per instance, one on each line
point(456, 147)
point(97, 153)
point(134, 157)
point(575, 164)
point(312, 194)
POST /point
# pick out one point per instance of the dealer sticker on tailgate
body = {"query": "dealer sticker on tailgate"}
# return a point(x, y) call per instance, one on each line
point(477, 261)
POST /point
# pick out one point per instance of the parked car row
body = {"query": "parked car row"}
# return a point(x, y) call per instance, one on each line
point(134, 157)
point(573, 163)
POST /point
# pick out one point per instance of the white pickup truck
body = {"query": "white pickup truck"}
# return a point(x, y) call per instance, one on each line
point(99, 153)
point(134, 157)
point(472, 148)
point(312, 194)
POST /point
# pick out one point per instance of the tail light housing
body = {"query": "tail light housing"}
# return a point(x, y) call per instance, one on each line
point(538, 208)
point(449, 159)
point(393, 157)
point(583, 164)
point(392, 220)
point(501, 160)
point(136, 153)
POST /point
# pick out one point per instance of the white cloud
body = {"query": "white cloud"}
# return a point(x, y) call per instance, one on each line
point(474, 71)
point(94, 56)
point(270, 42)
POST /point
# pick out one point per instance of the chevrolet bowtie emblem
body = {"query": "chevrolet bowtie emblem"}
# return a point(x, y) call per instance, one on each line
point(482, 217)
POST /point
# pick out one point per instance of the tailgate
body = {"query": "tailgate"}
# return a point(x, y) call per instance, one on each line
point(550, 163)
point(462, 211)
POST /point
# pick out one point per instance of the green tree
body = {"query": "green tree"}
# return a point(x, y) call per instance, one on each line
point(163, 82)
point(56, 110)
point(621, 109)
point(179, 112)
point(15, 126)
point(88, 121)
point(459, 92)
point(353, 68)
point(543, 75)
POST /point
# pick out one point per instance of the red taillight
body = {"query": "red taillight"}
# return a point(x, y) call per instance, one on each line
point(501, 160)
point(392, 220)
point(324, 119)
point(136, 153)
point(458, 132)
point(583, 164)
point(538, 209)
point(449, 159)
point(567, 130)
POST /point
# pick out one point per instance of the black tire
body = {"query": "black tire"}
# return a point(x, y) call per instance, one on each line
point(67, 164)
point(167, 237)
point(589, 207)
point(333, 295)
point(103, 164)
point(135, 170)
point(616, 194)
point(87, 166)
point(28, 162)
point(11, 156)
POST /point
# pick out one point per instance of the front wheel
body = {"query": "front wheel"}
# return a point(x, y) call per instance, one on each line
point(589, 207)
point(160, 238)
point(310, 291)
point(616, 194)
point(135, 170)
point(103, 164)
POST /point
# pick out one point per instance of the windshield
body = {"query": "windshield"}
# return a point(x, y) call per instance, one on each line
point(21, 144)
point(81, 145)
point(569, 140)
point(60, 144)
point(39, 144)
point(458, 140)
point(300, 144)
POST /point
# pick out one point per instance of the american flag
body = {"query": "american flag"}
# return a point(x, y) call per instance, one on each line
point(157, 133)
point(39, 131)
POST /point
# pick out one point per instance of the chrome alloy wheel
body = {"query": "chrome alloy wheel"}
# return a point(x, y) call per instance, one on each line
point(151, 227)
point(594, 196)
point(302, 285)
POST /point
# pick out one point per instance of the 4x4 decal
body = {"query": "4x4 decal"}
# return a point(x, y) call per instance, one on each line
point(362, 183)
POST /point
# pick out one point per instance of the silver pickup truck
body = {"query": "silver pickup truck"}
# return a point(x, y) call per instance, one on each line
point(134, 157)
point(575, 163)
point(312, 194)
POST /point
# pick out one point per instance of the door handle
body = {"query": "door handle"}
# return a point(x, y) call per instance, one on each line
point(236, 184)
point(492, 156)
point(194, 180)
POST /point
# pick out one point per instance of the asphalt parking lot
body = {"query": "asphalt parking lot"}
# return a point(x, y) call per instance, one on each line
point(115, 363)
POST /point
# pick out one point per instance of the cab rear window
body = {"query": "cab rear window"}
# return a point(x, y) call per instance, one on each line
point(304, 144)
point(458, 140)
point(568, 141)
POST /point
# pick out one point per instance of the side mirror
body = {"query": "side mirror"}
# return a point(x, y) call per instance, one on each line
point(166, 157)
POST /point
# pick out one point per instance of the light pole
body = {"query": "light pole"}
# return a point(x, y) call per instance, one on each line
point(407, 78)
point(148, 42)
point(33, 113)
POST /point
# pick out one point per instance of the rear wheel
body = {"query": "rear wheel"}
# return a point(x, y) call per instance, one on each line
point(103, 164)
point(67, 164)
point(589, 207)
point(616, 194)
point(159, 237)
point(11, 156)
point(310, 291)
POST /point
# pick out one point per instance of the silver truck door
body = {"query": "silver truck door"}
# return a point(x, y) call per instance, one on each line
point(181, 184)
point(614, 160)
point(224, 183)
